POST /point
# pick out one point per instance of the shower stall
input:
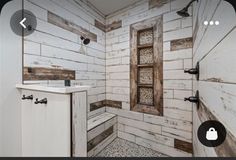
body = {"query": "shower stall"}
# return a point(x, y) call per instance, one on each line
point(153, 72)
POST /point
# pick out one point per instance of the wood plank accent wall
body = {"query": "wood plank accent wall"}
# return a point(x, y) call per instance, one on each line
point(69, 26)
point(184, 146)
point(114, 25)
point(215, 52)
point(37, 73)
point(99, 138)
point(96, 105)
point(110, 27)
point(227, 149)
point(181, 44)
point(104, 103)
point(157, 25)
point(157, 3)
point(100, 25)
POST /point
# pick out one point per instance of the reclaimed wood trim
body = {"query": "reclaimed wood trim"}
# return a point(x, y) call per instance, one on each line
point(98, 139)
point(157, 3)
point(105, 103)
point(113, 26)
point(133, 67)
point(183, 146)
point(146, 109)
point(110, 27)
point(145, 46)
point(100, 25)
point(158, 65)
point(97, 105)
point(145, 65)
point(70, 26)
point(114, 104)
point(227, 149)
point(38, 73)
point(179, 44)
point(157, 25)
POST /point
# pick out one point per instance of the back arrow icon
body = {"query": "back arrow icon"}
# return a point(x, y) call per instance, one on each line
point(22, 23)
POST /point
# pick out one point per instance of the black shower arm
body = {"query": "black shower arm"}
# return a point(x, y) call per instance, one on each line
point(189, 4)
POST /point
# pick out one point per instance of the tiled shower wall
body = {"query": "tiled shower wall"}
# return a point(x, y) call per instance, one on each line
point(51, 46)
point(172, 133)
point(105, 65)
point(214, 47)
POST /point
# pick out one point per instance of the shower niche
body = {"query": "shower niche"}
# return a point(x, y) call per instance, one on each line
point(146, 68)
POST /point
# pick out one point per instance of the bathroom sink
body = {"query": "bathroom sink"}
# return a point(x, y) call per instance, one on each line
point(53, 89)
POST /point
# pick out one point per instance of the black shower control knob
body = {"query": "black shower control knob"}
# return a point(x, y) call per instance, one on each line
point(191, 71)
point(195, 71)
point(192, 99)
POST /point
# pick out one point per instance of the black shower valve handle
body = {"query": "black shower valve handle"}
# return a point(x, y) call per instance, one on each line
point(195, 71)
point(191, 71)
point(43, 101)
point(31, 97)
point(194, 99)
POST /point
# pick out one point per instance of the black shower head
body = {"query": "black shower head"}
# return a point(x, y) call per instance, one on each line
point(184, 11)
point(86, 41)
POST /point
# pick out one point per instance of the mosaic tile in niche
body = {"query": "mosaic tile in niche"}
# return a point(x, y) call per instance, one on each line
point(146, 56)
point(146, 96)
point(146, 76)
point(146, 37)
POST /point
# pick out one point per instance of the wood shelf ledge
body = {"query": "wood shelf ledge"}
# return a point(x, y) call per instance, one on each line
point(145, 46)
point(145, 65)
point(145, 85)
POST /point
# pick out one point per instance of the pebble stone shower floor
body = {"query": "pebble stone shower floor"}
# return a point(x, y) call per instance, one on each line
point(123, 148)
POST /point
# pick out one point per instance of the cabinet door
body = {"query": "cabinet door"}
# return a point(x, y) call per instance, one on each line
point(46, 128)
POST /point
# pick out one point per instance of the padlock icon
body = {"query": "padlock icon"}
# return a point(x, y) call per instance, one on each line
point(212, 134)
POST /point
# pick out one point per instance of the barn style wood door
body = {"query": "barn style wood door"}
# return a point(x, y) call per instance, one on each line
point(146, 67)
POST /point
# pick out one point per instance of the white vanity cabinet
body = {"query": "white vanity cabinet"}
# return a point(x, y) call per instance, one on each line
point(57, 128)
point(46, 127)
